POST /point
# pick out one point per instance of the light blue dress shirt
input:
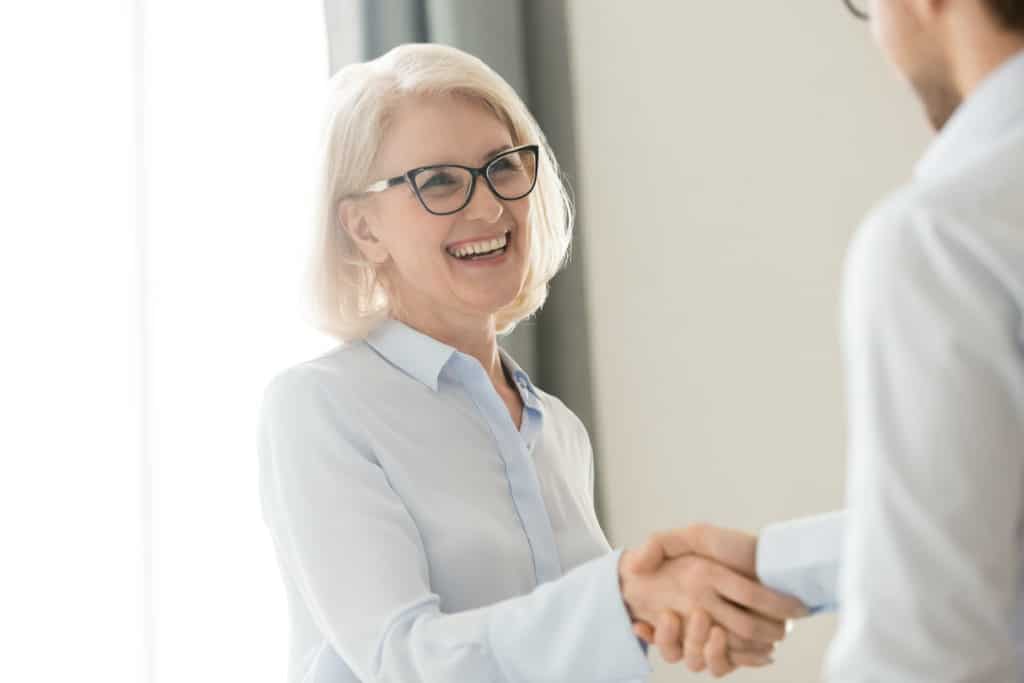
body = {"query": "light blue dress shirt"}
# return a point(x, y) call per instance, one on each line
point(422, 537)
point(801, 557)
point(929, 568)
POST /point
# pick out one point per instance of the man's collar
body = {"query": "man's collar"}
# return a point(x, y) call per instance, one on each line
point(996, 105)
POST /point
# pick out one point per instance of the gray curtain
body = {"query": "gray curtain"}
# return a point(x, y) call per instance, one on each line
point(526, 41)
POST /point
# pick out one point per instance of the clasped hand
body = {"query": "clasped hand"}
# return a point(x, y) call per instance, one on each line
point(693, 593)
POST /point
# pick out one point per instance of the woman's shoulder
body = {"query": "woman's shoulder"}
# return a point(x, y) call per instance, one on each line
point(317, 402)
point(561, 416)
point(338, 372)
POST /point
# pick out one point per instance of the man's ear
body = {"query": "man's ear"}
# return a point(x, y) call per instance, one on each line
point(356, 220)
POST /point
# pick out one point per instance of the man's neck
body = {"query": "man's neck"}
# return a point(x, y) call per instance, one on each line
point(978, 47)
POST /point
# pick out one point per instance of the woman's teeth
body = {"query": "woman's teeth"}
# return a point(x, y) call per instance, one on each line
point(482, 248)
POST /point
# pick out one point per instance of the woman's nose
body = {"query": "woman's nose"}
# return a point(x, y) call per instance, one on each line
point(484, 206)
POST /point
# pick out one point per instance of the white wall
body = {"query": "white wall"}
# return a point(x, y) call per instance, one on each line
point(727, 151)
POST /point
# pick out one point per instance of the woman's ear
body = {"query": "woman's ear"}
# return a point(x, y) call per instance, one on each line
point(355, 219)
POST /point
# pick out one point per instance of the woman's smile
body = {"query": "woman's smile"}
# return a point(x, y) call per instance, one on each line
point(489, 250)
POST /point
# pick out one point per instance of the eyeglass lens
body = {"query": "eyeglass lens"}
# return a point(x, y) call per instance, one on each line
point(445, 189)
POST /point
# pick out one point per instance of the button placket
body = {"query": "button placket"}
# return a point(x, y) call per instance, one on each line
point(523, 479)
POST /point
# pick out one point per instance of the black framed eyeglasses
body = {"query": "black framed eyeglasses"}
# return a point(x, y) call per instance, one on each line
point(444, 189)
point(859, 8)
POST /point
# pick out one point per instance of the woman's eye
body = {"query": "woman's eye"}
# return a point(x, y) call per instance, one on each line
point(437, 180)
point(504, 164)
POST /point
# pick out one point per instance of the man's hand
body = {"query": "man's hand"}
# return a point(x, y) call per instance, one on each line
point(710, 578)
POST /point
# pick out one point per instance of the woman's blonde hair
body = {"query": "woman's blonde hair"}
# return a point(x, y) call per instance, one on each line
point(348, 296)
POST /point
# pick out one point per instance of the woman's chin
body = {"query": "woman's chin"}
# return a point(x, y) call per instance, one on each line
point(487, 306)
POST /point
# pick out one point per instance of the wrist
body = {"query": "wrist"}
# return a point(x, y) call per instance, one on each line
point(625, 583)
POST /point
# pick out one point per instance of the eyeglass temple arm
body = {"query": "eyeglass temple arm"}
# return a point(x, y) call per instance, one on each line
point(382, 185)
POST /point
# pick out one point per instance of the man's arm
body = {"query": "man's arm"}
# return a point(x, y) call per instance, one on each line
point(801, 558)
point(936, 456)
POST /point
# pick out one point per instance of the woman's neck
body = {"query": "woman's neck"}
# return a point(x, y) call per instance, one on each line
point(476, 337)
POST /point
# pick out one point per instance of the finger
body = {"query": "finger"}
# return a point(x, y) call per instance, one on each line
point(758, 598)
point(646, 558)
point(749, 659)
point(737, 644)
point(717, 653)
point(698, 628)
point(659, 548)
point(745, 624)
point(668, 635)
point(644, 632)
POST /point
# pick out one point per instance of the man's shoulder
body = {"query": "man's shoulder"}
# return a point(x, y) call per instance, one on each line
point(957, 222)
point(896, 229)
point(921, 252)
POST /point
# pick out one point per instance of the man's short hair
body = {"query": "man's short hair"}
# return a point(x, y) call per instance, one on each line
point(1009, 12)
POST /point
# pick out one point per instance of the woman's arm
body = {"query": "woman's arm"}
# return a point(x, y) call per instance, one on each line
point(349, 543)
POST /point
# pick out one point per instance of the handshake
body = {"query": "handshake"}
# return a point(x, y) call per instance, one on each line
point(694, 593)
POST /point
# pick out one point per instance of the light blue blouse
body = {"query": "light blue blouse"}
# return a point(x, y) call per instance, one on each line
point(422, 537)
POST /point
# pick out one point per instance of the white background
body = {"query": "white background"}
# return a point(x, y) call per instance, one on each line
point(156, 169)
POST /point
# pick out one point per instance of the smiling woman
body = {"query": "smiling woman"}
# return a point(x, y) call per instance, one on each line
point(443, 218)
point(430, 262)
point(403, 122)
point(432, 509)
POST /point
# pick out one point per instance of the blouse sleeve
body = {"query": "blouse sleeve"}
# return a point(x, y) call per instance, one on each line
point(349, 543)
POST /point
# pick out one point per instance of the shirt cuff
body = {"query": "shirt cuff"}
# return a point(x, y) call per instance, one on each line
point(573, 629)
point(802, 558)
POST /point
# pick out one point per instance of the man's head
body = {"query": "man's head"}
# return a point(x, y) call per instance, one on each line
point(945, 47)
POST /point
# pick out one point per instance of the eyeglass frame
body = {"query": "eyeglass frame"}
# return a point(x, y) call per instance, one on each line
point(410, 177)
point(856, 11)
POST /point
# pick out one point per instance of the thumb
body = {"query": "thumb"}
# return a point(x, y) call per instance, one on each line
point(658, 549)
point(736, 550)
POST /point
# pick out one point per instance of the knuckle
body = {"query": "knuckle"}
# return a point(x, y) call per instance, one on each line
point(699, 528)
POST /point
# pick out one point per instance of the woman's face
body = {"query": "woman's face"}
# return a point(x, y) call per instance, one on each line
point(422, 256)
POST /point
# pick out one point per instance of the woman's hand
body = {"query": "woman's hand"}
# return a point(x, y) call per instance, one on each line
point(702, 645)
